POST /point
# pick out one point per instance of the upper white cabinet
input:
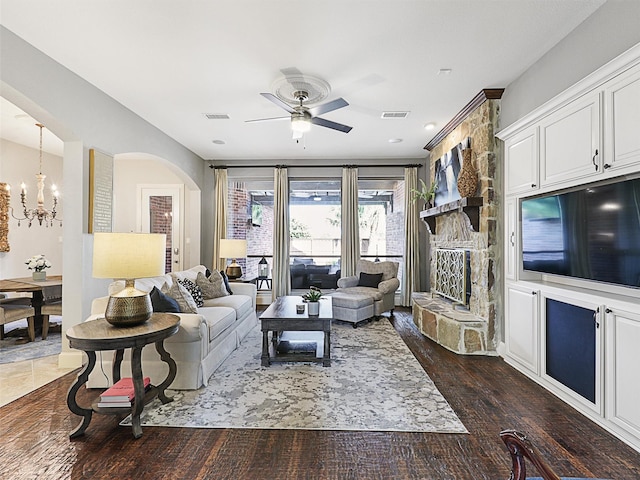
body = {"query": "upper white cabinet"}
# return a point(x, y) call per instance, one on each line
point(570, 142)
point(521, 158)
point(622, 119)
point(511, 248)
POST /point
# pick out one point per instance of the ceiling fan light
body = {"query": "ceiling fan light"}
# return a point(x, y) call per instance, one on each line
point(300, 124)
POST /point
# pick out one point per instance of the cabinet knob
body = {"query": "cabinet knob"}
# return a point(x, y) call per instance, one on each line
point(533, 185)
point(606, 165)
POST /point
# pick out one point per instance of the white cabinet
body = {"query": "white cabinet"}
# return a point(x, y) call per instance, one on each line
point(521, 158)
point(511, 240)
point(570, 142)
point(623, 377)
point(622, 119)
point(522, 327)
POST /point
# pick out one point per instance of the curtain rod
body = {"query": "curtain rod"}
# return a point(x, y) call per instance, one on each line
point(387, 165)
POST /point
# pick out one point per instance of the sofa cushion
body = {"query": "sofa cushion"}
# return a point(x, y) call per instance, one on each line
point(369, 279)
point(242, 304)
point(182, 296)
point(193, 289)
point(163, 303)
point(218, 319)
point(212, 287)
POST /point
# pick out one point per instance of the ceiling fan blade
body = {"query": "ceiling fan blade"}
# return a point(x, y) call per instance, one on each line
point(328, 107)
point(277, 101)
point(329, 124)
point(267, 119)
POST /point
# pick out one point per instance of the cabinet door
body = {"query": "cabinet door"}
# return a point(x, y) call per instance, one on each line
point(622, 120)
point(571, 350)
point(623, 361)
point(521, 159)
point(511, 239)
point(522, 327)
point(570, 142)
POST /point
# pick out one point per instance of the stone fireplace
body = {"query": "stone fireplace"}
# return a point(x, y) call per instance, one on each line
point(467, 226)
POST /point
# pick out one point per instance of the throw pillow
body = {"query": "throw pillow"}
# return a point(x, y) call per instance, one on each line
point(369, 279)
point(212, 287)
point(163, 303)
point(226, 282)
point(182, 296)
point(193, 289)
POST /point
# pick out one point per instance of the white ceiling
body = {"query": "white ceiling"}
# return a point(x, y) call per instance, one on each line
point(171, 62)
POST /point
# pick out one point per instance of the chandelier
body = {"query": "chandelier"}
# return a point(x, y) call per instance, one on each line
point(39, 213)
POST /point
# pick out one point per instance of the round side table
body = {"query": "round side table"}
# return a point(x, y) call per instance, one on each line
point(98, 335)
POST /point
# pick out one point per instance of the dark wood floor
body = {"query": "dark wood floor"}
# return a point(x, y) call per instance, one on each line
point(487, 395)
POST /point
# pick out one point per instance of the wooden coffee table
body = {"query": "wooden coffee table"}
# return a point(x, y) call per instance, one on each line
point(98, 335)
point(281, 316)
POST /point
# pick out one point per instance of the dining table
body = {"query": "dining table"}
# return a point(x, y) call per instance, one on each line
point(39, 290)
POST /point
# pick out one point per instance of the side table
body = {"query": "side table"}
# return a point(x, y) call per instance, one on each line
point(98, 335)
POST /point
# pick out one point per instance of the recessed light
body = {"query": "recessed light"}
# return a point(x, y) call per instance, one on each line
point(395, 140)
point(445, 71)
point(430, 126)
point(219, 142)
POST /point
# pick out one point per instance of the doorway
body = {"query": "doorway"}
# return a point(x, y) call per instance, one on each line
point(160, 212)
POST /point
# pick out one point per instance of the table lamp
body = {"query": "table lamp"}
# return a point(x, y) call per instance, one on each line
point(128, 256)
point(232, 248)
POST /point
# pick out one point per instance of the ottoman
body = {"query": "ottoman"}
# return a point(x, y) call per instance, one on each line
point(352, 308)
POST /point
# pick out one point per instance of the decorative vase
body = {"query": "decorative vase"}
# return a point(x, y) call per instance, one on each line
point(468, 177)
point(314, 308)
point(39, 276)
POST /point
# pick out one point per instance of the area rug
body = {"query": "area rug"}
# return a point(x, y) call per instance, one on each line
point(14, 349)
point(374, 383)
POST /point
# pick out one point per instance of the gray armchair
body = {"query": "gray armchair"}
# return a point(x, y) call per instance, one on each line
point(383, 293)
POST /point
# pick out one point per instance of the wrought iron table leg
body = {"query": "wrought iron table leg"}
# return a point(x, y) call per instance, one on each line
point(138, 387)
point(85, 413)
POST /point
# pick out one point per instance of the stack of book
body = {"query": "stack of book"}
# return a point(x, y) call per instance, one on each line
point(121, 394)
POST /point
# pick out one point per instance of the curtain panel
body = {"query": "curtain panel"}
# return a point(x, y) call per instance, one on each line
point(411, 267)
point(350, 243)
point(281, 284)
point(220, 223)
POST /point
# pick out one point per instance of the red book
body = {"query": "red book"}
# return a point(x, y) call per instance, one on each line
point(122, 390)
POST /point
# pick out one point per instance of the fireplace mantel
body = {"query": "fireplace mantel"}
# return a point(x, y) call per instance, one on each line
point(469, 205)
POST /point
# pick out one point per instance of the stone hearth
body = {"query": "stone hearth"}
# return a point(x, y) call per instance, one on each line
point(457, 330)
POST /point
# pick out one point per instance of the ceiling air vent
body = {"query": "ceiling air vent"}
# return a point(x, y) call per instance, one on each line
point(394, 114)
point(217, 116)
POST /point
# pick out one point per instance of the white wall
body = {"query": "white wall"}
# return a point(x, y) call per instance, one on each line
point(20, 164)
point(129, 173)
point(610, 31)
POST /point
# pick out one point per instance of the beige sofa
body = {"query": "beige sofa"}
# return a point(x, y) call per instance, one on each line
point(204, 339)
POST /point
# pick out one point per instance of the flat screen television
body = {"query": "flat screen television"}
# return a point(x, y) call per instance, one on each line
point(592, 233)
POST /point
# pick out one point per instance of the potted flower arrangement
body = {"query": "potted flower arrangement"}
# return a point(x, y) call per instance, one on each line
point(427, 194)
point(312, 297)
point(38, 263)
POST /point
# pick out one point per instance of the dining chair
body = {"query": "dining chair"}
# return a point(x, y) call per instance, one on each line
point(12, 312)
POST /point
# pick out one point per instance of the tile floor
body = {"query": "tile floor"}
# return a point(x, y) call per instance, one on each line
point(19, 378)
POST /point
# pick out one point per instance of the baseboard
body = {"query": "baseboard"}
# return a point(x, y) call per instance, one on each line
point(71, 359)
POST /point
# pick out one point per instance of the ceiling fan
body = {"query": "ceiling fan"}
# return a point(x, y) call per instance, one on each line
point(302, 117)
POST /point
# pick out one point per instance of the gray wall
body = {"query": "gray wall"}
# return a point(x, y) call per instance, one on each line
point(610, 31)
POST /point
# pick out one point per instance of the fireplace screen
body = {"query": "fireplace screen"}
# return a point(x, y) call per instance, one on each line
point(453, 274)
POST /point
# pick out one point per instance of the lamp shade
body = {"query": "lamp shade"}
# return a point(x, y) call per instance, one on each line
point(128, 255)
point(232, 248)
